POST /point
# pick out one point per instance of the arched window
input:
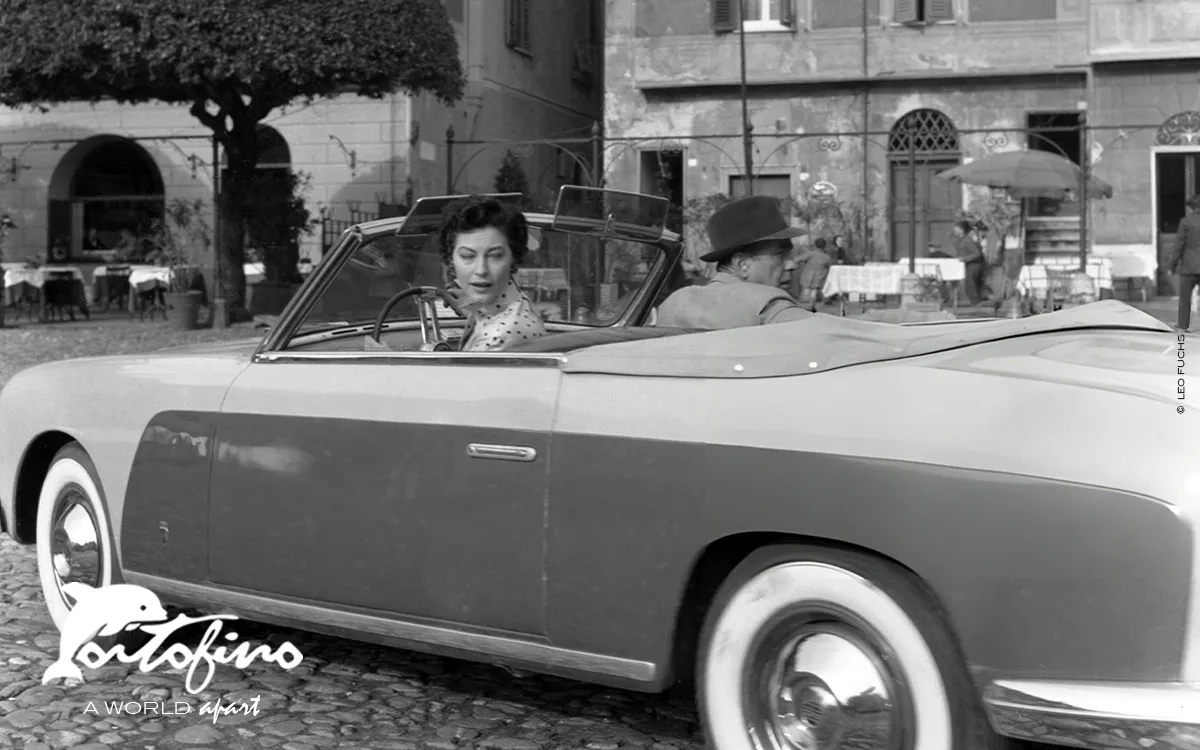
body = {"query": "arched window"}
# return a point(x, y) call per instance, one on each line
point(1182, 129)
point(266, 229)
point(104, 194)
point(924, 131)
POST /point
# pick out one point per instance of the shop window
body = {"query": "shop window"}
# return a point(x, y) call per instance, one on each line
point(923, 11)
point(662, 174)
point(778, 186)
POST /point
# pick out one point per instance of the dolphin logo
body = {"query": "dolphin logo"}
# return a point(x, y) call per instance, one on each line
point(102, 611)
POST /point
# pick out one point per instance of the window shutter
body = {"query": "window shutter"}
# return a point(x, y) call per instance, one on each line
point(905, 11)
point(514, 16)
point(939, 10)
point(525, 33)
point(787, 13)
point(724, 15)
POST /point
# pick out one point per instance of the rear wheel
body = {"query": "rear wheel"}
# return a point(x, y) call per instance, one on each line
point(807, 648)
point(74, 538)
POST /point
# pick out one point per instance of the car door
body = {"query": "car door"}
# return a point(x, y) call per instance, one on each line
point(407, 483)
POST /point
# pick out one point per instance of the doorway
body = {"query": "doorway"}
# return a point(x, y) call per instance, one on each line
point(919, 197)
point(1045, 132)
point(1177, 179)
point(923, 208)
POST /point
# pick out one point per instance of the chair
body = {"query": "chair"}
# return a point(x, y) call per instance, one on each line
point(116, 286)
point(26, 299)
point(1068, 286)
point(151, 300)
point(57, 294)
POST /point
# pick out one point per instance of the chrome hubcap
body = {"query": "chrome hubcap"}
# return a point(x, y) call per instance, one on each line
point(75, 541)
point(824, 685)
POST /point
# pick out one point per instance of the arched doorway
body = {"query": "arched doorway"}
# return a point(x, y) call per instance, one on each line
point(266, 222)
point(1176, 179)
point(104, 194)
point(922, 208)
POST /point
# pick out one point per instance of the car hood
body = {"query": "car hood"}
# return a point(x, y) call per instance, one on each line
point(827, 342)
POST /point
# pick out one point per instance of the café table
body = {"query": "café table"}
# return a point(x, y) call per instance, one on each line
point(25, 284)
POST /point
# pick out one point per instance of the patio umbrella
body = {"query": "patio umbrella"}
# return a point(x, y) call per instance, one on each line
point(1028, 174)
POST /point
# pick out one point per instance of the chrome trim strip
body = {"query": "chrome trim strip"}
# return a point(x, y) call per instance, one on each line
point(494, 359)
point(1088, 714)
point(529, 654)
point(501, 452)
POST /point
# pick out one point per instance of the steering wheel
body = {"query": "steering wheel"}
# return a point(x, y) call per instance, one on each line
point(432, 339)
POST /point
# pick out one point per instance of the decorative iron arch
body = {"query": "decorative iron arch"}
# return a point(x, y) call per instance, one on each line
point(1181, 129)
point(924, 131)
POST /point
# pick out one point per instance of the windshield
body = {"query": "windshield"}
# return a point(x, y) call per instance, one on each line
point(570, 278)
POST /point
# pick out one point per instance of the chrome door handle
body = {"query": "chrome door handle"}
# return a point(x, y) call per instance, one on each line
point(501, 452)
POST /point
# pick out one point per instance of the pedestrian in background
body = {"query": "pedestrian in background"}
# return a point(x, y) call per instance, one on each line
point(1184, 260)
point(812, 270)
point(971, 254)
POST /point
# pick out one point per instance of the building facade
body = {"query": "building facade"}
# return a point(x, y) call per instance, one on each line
point(82, 174)
point(863, 102)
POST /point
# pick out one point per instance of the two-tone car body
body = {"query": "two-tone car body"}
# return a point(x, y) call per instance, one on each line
point(848, 534)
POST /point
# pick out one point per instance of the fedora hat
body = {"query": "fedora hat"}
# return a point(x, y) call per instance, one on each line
point(744, 222)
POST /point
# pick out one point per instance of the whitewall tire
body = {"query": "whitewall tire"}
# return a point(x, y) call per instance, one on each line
point(74, 536)
point(807, 648)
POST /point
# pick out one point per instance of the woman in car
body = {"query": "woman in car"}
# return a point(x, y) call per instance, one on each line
point(482, 243)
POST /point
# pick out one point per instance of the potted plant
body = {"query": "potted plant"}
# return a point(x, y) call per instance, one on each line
point(176, 242)
point(275, 221)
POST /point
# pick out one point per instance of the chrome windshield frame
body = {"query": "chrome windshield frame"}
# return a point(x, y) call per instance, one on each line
point(293, 315)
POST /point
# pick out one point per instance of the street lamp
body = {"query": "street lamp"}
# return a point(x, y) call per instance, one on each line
point(746, 127)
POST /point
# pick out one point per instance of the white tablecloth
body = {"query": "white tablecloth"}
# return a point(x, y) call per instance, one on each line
point(103, 270)
point(950, 269)
point(146, 277)
point(874, 278)
point(1033, 279)
point(256, 272)
point(20, 274)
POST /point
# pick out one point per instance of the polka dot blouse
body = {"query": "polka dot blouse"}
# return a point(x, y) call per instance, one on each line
point(507, 320)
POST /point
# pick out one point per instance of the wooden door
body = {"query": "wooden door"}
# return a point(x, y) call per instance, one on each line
point(1178, 179)
point(920, 197)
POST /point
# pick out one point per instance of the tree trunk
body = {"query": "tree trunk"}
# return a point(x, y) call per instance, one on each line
point(233, 251)
point(241, 152)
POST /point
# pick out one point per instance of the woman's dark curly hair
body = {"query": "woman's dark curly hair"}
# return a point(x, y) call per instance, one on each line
point(477, 212)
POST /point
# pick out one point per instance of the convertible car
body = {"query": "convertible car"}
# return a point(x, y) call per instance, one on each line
point(843, 534)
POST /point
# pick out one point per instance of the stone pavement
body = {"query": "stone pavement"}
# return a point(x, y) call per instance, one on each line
point(345, 694)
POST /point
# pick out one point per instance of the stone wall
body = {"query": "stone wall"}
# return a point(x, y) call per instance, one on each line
point(791, 130)
point(1126, 95)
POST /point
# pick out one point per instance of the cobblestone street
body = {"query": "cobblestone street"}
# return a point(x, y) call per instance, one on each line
point(344, 695)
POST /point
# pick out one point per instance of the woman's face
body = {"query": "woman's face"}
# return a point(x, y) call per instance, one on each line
point(482, 264)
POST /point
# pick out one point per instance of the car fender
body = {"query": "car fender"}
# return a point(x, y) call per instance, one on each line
point(107, 405)
point(1057, 546)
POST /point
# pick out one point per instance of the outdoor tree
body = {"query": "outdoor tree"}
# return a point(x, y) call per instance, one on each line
point(232, 62)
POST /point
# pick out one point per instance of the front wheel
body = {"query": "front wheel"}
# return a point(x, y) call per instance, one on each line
point(807, 648)
point(74, 538)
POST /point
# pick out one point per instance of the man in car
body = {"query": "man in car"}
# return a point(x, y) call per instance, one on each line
point(752, 245)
